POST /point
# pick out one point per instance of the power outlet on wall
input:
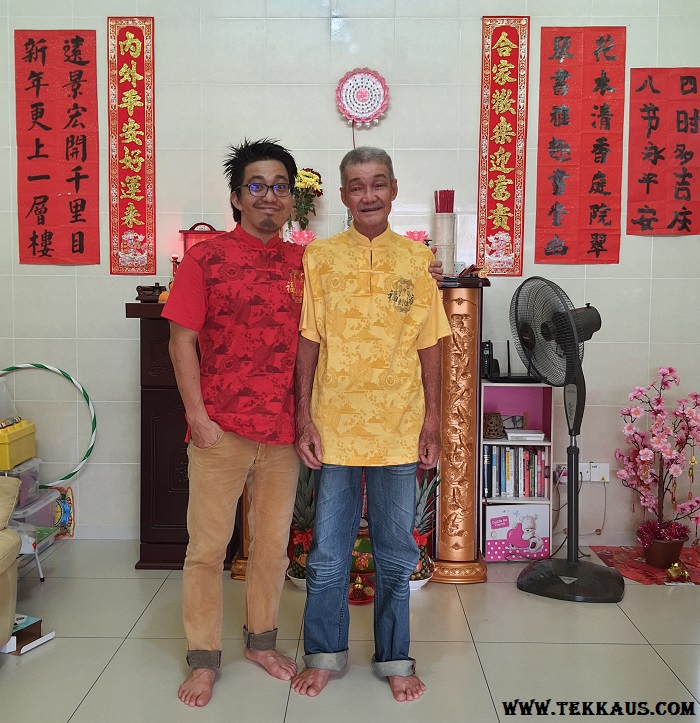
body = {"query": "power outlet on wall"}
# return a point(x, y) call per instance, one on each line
point(600, 471)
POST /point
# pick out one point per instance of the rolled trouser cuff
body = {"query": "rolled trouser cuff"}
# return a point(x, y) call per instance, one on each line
point(403, 668)
point(327, 661)
point(260, 641)
point(204, 659)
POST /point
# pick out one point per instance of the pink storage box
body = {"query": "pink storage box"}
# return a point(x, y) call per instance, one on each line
point(40, 512)
point(28, 475)
point(516, 533)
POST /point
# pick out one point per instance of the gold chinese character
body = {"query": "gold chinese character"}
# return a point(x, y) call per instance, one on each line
point(130, 100)
point(131, 45)
point(503, 131)
point(130, 132)
point(500, 216)
point(129, 74)
point(131, 186)
point(500, 188)
point(132, 160)
point(503, 46)
point(502, 101)
point(501, 72)
point(499, 160)
point(131, 216)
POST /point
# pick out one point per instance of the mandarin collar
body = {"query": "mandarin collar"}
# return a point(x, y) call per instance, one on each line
point(243, 235)
point(383, 237)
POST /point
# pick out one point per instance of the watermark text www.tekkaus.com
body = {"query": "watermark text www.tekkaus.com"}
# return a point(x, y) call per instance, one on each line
point(535, 707)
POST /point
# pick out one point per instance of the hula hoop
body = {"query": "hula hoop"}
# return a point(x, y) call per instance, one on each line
point(93, 418)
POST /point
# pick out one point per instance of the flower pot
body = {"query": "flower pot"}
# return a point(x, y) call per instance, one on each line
point(663, 553)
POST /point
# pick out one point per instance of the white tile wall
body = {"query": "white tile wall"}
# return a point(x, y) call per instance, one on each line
point(225, 70)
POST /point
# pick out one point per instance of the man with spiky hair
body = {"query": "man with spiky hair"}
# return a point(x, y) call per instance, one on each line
point(238, 296)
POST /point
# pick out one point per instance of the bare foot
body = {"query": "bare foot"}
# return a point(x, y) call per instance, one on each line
point(405, 688)
point(311, 681)
point(276, 664)
point(197, 688)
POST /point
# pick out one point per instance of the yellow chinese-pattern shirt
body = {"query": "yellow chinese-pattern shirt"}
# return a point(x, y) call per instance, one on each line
point(371, 306)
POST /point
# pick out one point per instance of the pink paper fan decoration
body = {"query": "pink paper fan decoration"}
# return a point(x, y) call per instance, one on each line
point(362, 96)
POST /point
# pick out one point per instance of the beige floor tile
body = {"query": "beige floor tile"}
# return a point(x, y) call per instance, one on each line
point(504, 571)
point(577, 673)
point(163, 617)
point(243, 691)
point(502, 613)
point(97, 559)
point(684, 661)
point(437, 614)
point(48, 683)
point(456, 690)
point(664, 613)
point(75, 607)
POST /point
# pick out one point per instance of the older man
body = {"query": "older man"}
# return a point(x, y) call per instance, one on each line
point(367, 389)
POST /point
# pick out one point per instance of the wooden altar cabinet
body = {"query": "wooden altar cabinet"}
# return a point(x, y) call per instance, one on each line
point(164, 480)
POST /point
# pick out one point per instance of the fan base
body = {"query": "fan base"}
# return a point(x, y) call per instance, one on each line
point(575, 581)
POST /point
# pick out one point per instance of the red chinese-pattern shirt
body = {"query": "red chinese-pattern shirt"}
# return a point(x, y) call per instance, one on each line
point(244, 301)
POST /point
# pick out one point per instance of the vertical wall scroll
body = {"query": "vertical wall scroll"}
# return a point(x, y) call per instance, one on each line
point(663, 197)
point(502, 142)
point(57, 147)
point(579, 150)
point(132, 171)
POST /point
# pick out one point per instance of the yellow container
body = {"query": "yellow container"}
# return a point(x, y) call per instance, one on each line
point(17, 444)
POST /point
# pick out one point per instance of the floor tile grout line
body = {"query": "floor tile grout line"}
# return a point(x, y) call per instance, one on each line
point(673, 672)
point(94, 683)
point(478, 657)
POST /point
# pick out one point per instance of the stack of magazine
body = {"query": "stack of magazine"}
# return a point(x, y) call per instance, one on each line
point(525, 435)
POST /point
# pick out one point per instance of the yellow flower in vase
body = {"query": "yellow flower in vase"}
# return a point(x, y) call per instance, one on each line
point(307, 188)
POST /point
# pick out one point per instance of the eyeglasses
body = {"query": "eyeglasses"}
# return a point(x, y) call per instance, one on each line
point(260, 189)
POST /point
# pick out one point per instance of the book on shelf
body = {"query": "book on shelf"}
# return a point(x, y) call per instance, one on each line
point(488, 490)
point(525, 435)
point(495, 473)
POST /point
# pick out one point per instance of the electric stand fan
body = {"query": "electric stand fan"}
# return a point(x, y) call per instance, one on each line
point(549, 334)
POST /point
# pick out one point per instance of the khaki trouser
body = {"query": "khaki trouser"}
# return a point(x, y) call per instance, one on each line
point(217, 476)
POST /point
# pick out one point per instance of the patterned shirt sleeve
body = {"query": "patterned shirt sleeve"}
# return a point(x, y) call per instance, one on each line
point(186, 304)
point(307, 323)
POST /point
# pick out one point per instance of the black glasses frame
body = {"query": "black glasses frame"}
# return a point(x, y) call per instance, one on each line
point(267, 186)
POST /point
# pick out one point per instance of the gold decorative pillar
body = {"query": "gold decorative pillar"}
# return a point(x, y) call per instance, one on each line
point(457, 554)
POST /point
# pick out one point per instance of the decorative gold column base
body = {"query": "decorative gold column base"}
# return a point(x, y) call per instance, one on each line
point(238, 567)
point(459, 572)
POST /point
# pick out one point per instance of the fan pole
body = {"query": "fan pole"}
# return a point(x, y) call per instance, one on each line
point(572, 472)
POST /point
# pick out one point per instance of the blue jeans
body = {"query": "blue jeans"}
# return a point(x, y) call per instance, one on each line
point(391, 493)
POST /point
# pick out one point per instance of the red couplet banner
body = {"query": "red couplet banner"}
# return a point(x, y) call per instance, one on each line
point(502, 143)
point(663, 197)
point(132, 167)
point(57, 147)
point(579, 150)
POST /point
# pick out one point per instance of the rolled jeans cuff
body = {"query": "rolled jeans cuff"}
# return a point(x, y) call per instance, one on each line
point(403, 668)
point(204, 659)
point(260, 641)
point(327, 661)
